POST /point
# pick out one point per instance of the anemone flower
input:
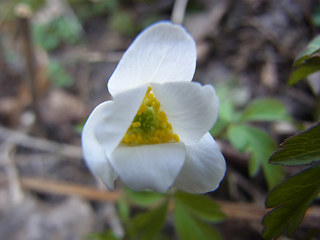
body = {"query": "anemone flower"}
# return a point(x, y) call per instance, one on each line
point(154, 133)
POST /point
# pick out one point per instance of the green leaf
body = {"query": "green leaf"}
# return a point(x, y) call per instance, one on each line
point(226, 112)
point(147, 225)
point(312, 48)
point(189, 227)
point(307, 62)
point(58, 75)
point(250, 139)
point(290, 200)
point(107, 235)
point(200, 206)
point(309, 66)
point(123, 208)
point(265, 110)
point(238, 137)
point(274, 174)
point(218, 127)
point(303, 148)
point(254, 164)
point(144, 198)
point(123, 22)
point(316, 15)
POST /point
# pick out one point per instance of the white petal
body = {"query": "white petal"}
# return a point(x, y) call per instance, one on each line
point(203, 169)
point(192, 109)
point(149, 166)
point(92, 150)
point(164, 52)
point(116, 119)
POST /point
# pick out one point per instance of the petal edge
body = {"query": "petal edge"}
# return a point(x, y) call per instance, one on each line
point(191, 108)
point(204, 167)
point(149, 166)
point(163, 52)
point(93, 152)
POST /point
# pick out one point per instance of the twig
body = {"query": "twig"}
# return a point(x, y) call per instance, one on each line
point(237, 211)
point(24, 13)
point(15, 190)
point(178, 11)
point(67, 189)
point(24, 140)
point(255, 213)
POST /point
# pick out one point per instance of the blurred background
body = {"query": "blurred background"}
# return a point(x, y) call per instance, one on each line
point(55, 59)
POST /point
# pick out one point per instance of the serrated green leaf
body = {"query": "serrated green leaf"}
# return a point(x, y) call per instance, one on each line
point(310, 66)
point(290, 200)
point(250, 139)
point(262, 146)
point(303, 148)
point(147, 225)
point(266, 109)
point(200, 206)
point(144, 198)
point(189, 227)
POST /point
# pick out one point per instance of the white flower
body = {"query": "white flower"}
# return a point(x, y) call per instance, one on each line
point(154, 133)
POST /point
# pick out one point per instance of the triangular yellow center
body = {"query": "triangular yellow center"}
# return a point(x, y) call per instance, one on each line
point(150, 125)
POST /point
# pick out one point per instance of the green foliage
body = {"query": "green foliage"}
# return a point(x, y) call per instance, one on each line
point(303, 148)
point(144, 198)
point(123, 209)
point(58, 31)
point(290, 200)
point(107, 235)
point(292, 197)
point(147, 225)
point(316, 15)
point(308, 67)
point(236, 126)
point(85, 9)
point(307, 62)
point(250, 139)
point(34, 4)
point(227, 112)
point(267, 109)
point(57, 74)
point(124, 23)
point(189, 226)
point(200, 206)
point(79, 126)
point(311, 49)
point(148, 20)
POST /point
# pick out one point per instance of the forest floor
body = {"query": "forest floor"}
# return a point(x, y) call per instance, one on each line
point(45, 186)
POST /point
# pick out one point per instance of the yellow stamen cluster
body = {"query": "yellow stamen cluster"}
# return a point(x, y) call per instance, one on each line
point(150, 125)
